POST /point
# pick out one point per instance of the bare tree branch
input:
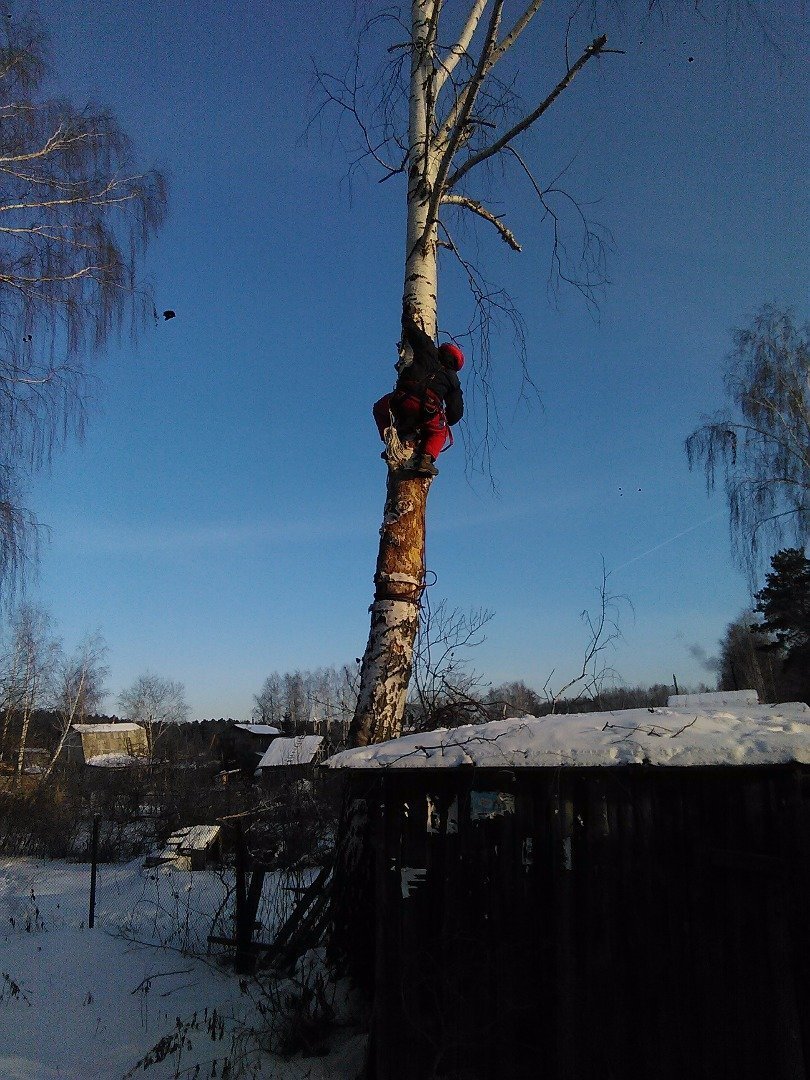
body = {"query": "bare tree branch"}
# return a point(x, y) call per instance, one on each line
point(506, 43)
point(592, 50)
point(603, 632)
point(448, 64)
point(451, 143)
point(478, 208)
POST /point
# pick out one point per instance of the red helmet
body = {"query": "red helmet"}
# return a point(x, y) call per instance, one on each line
point(452, 355)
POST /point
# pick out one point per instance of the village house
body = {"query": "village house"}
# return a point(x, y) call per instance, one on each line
point(291, 758)
point(248, 742)
point(106, 745)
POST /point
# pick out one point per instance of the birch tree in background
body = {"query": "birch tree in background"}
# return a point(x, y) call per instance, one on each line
point(154, 702)
point(761, 446)
point(27, 667)
point(75, 217)
point(78, 689)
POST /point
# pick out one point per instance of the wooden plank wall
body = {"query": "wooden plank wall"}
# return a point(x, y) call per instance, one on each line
point(619, 923)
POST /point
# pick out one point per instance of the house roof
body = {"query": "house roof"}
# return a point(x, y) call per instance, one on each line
point(259, 729)
point(714, 732)
point(104, 729)
point(299, 750)
point(193, 838)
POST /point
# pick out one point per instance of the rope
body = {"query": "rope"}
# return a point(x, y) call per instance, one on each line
point(396, 451)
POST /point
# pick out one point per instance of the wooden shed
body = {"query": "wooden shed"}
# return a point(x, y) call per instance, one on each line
point(106, 745)
point(291, 758)
point(595, 896)
point(250, 741)
point(195, 847)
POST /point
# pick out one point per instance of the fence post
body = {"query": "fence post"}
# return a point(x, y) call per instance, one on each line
point(243, 961)
point(93, 866)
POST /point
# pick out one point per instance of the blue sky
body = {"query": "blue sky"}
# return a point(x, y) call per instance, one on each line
point(219, 521)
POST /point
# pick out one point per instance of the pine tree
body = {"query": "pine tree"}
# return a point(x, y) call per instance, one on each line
point(785, 606)
point(784, 602)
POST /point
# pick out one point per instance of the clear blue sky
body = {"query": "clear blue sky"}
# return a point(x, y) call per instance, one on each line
point(219, 522)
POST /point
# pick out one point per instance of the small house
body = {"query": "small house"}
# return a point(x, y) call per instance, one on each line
point(249, 742)
point(619, 894)
point(195, 847)
point(291, 758)
point(106, 745)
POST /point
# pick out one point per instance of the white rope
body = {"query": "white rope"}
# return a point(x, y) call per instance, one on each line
point(397, 453)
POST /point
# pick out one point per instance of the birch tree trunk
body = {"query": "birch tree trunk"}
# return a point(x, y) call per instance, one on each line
point(399, 578)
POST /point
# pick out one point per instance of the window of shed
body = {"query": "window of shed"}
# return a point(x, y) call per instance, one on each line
point(485, 805)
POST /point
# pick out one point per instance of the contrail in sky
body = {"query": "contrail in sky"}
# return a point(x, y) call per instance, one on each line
point(671, 540)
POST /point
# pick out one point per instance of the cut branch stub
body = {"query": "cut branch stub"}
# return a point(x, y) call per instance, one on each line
point(399, 581)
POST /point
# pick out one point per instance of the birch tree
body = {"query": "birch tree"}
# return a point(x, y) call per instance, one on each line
point(78, 689)
point(27, 669)
point(457, 122)
point(445, 113)
point(761, 447)
point(154, 702)
point(75, 216)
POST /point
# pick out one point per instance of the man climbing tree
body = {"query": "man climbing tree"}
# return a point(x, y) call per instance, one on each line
point(415, 419)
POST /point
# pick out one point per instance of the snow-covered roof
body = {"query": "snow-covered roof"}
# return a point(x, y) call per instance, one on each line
point(259, 729)
point(193, 838)
point(714, 697)
point(710, 734)
point(104, 729)
point(299, 750)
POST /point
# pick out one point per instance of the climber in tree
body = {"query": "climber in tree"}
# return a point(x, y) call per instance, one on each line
point(427, 399)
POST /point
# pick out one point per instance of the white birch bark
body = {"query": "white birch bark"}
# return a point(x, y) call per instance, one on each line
point(388, 659)
point(420, 245)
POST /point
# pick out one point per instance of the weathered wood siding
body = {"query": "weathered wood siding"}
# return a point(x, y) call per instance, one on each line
point(616, 923)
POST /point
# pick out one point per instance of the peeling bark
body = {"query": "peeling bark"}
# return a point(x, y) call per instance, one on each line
point(398, 581)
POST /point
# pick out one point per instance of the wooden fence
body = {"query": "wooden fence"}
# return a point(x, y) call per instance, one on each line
point(613, 923)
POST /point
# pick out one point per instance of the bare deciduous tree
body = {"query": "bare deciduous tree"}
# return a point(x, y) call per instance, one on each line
point(744, 664)
point(762, 448)
point(78, 689)
point(154, 702)
point(460, 116)
point(27, 669)
point(75, 216)
point(603, 626)
point(319, 702)
point(447, 692)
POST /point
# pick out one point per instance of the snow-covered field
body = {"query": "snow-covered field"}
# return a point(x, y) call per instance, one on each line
point(81, 1004)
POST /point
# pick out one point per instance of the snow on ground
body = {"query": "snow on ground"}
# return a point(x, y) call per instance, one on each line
point(114, 760)
point(713, 731)
point(81, 1004)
